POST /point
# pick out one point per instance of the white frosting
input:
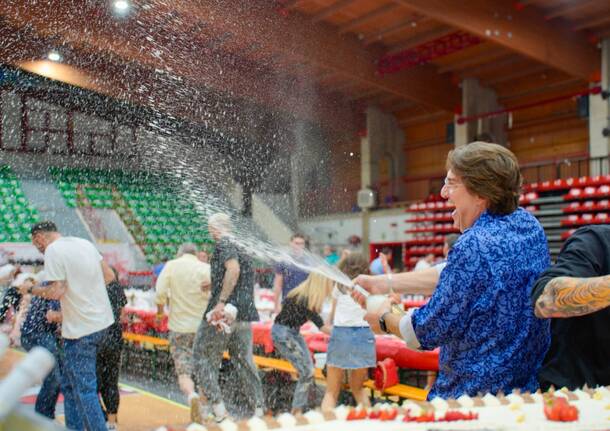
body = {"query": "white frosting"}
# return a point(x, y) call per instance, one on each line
point(414, 409)
point(257, 424)
point(491, 400)
point(439, 403)
point(582, 395)
point(286, 420)
point(561, 394)
point(228, 425)
point(514, 398)
point(603, 392)
point(341, 412)
point(465, 401)
point(537, 396)
point(196, 427)
point(314, 417)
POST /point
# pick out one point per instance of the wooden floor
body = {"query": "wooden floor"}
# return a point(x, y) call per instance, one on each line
point(139, 411)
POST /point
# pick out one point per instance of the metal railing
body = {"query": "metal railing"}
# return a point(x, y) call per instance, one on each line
point(565, 168)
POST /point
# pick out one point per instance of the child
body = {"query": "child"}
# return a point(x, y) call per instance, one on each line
point(352, 343)
point(302, 304)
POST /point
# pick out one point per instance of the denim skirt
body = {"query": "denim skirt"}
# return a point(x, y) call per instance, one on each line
point(351, 348)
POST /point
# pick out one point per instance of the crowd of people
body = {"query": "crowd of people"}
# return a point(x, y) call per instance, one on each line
point(502, 316)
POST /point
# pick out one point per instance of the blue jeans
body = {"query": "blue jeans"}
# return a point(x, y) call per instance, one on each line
point(79, 383)
point(291, 345)
point(49, 391)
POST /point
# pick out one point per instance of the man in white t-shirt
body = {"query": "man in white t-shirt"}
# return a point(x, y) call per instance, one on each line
point(77, 277)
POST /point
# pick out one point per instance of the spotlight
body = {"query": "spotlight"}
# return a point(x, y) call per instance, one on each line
point(121, 6)
point(54, 56)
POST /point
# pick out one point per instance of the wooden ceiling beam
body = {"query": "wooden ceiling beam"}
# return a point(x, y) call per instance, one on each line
point(299, 39)
point(292, 4)
point(330, 10)
point(472, 62)
point(503, 62)
point(570, 83)
point(569, 8)
point(366, 18)
point(592, 22)
point(400, 106)
point(388, 31)
point(165, 79)
point(421, 39)
point(421, 119)
point(517, 74)
point(525, 32)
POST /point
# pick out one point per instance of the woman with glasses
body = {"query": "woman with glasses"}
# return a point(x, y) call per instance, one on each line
point(480, 313)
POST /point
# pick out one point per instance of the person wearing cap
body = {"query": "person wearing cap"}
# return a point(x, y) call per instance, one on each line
point(38, 330)
point(77, 276)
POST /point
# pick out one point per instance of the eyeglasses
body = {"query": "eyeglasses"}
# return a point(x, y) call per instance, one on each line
point(451, 184)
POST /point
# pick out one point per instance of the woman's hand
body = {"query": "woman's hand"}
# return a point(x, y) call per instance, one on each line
point(374, 284)
point(372, 317)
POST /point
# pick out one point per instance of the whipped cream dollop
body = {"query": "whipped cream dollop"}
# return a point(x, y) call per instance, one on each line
point(314, 417)
point(491, 400)
point(257, 424)
point(228, 425)
point(465, 401)
point(286, 420)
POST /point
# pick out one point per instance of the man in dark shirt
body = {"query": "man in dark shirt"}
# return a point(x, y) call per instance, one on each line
point(288, 275)
point(232, 283)
point(36, 330)
point(575, 293)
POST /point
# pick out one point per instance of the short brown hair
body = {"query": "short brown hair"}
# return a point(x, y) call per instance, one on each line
point(489, 171)
point(353, 265)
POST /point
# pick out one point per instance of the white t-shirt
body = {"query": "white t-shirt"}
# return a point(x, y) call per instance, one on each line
point(348, 312)
point(421, 264)
point(85, 306)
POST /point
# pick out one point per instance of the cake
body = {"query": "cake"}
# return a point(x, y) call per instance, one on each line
point(582, 409)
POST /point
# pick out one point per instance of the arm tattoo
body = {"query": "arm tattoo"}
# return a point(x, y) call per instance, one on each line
point(569, 296)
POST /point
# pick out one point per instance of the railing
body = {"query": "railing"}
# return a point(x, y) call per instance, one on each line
point(575, 167)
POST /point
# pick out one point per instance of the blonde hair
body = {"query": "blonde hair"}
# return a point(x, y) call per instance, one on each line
point(315, 289)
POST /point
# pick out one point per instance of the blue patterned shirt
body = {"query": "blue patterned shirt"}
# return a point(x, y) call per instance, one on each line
point(480, 314)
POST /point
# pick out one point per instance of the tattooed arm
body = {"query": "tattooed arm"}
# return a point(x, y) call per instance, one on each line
point(570, 296)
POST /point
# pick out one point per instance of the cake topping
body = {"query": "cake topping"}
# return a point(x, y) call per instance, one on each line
point(341, 412)
point(466, 401)
point(228, 425)
point(527, 398)
point(286, 420)
point(439, 403)
point(491, 400)
point(314, 417)
point(582, 395)
point(257, 424)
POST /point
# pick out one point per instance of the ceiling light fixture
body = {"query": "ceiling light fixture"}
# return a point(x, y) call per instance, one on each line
point(54, 56)
point(121, 6)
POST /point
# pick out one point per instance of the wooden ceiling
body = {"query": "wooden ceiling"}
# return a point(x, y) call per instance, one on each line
point(312, 58)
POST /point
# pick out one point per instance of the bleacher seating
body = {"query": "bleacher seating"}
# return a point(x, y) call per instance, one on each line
point(158, 217)
point(560, 205)
point(16, 212)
